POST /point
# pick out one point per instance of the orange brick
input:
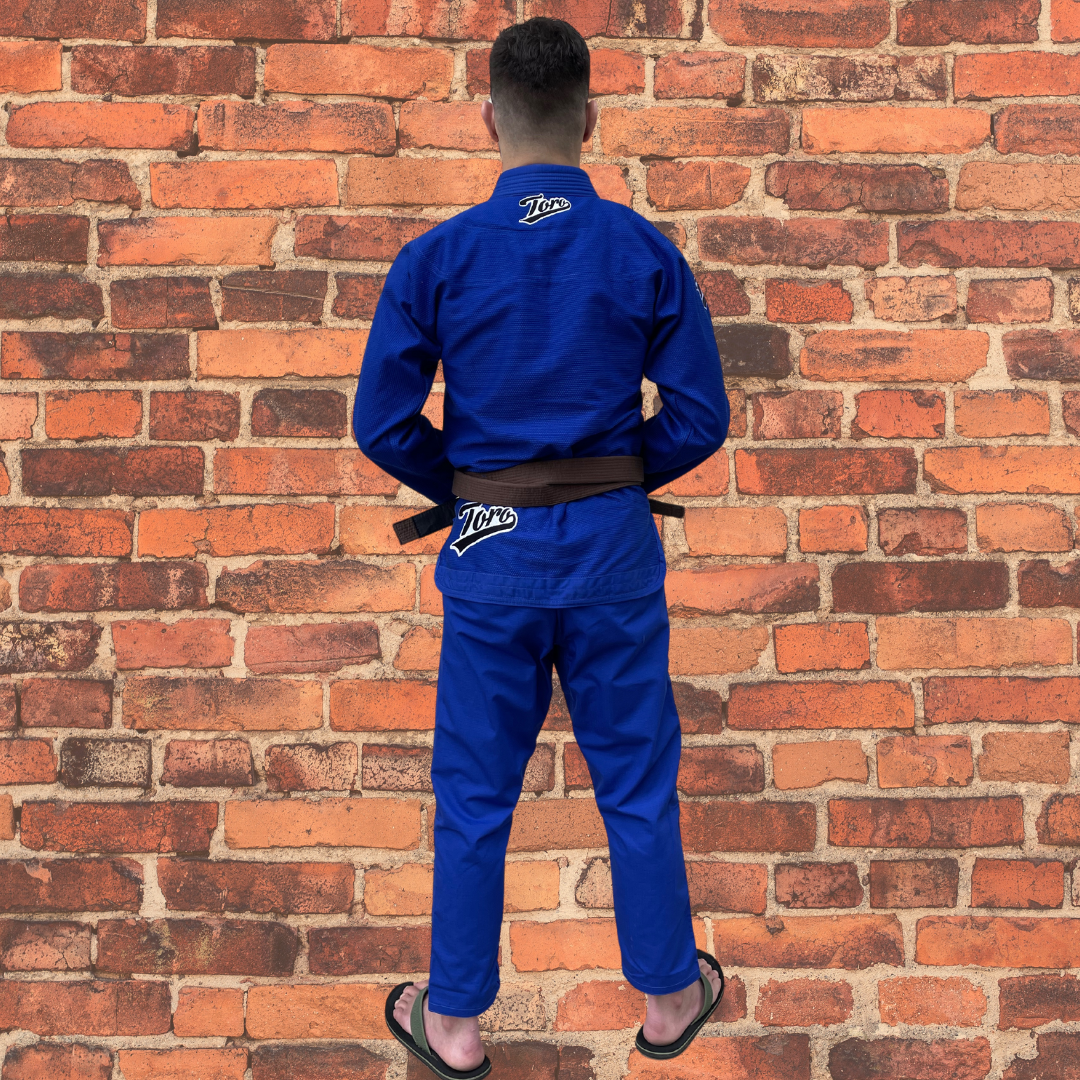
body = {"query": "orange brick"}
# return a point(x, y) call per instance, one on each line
point(205, 1012)
point(430, 597)
point(354, 128)
point(365, 70)
point(716, 650)
point(996, 941)
point(152, 703)
point(709, 478)
point(1064, 21)
point(341, 1011)
point(243, 185)
point(419, 649)
point(356, 822)
point(924, 761)
point(699, 75)
point(93, 414)
point(557, 825)
point(798, 301)
point(237, 530)
point(186, 241)
point(456, 126)
point(804, 1003)
point(894, 355)
point(197, 643)
point(532, 886)
point(1017, 883)
point(272, 470)
point(29, 66)
point(988, 414)
point(119, 125)
point(911, 299)
point(1018, 73)
point(891, 129)
point(1020, 186)
point(226, 1064)
point(695, 185)
point(17, 415)
point(1019, 756)
point(966, 643)
point(566, 945)
point(369, 530)
point(7, 818)
point(609, 181)
point(1027, 300)
point(274, 354)
point(927, 1000)
point(899, 414)
point(382, 705)
point(833, 528)
point(736, 530)
point(420, 181)
point(843, 646)
point(674, 131)
point(597, 1005)
point(1006, 469)
point(405, 890)
point(810, 764)
point(771, 706)
point(1022, 527)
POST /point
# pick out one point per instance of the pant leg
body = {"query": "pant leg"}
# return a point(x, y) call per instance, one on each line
point(493, 695)
point(613, 663)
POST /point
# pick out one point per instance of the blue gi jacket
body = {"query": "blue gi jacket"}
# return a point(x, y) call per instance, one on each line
point(547, 305)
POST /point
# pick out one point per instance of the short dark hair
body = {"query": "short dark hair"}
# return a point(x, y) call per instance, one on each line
point(540, 77)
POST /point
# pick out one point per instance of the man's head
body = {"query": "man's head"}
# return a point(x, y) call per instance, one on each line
point(540, 108)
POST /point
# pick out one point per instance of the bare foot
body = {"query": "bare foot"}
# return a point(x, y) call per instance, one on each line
point(669, 1015)
point(456, 1039)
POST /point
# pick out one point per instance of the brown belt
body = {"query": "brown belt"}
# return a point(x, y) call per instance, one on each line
point(535, 483)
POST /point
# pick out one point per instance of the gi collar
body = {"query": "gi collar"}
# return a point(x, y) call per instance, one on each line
point(563, 180)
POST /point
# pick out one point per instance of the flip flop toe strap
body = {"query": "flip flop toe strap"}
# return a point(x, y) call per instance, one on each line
point(707, 986)
point(417, 1022)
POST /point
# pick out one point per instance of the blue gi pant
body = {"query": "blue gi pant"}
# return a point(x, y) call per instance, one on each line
point(493, 695)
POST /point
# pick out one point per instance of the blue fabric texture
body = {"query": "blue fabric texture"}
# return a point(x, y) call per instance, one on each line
point(546, 314)
point(493, 694)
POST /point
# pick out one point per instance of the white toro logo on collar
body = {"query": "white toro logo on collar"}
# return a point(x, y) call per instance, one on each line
point(480, 522)
point(540, 208)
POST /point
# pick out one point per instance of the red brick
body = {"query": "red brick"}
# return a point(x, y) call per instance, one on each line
point(455, 126)
point(94, 356)
point(887, 588)
point(178, 416)
point(698, 75)
point(87, 762)
point(814, 185)
point(207, 763)
point(291, 1062)
point(798, 77)
point(1043, 585)
point(53, 646)
point(1001, 469)
point(367, 950)
point(1030, 1001)
point(30, 296)
point(833, 528)
point(408, 768)
point(306, 20)
point(659, 18)
point(359, 127)
point(923, 531)
point(1018, 757)
point(995, 413)
point(1065, 21)
point(736, 530)
point(84, 124)
point(27, 761)
point(718, 770)
point(748, 351)
point(32, 530)
point(894, 356)
point(357, 295)
point(1059, 822)
point(769, 1057)
point(78, 703)
point(29, 66)
point(8, 707)
point(1018, 244)
point(197, 643)
point(674, 231)
point(719, 886)
point(843, 24)
point(737, 407)
point(700, 711)
point(925, 761)
point(329, 586)
point(312, 767)
point(798, 301)
point(838, 646)
point(678, 131)
point(71, 885)
point(244, 185)
point(803, 1003)
point(1016, 74)
point(420, 181)
point(178, 1064)
point(926, 1000)
point(899, 414)
point(942, 1059)
point(751, 589)
point(58, 1061)
point(106, 1008)
point(812, 242)
point(1037, 129)
point(696, 185)
point(818, 885)
point(193, 704)
point(286, 471)
point(373, 823)
point(117, 20)
point(983, 22)
point(911, 299)
point(273, 296)
point(726, 296)
point(304, 414)
point(474, 22)
point(1001, 700)
point(197, 69)
point(1070, 409)
point(743, 826)
point(1042, 354)
point(994, 941)
point(360, 69)
point(914, 883)
point(7, 817)
point(184, 827)
point(601, 1005)
point(93, 414)
point(825, 472)
point(926, 823)
point(113, 587)
point(186, 241)
point(852, 942)
point(356, 238)
point(891, 130)
point(1024, 300)
point(237, 530)
point(816, 705)
point(204, 1011)
point(149, 303)
point(1017, 883)
point(44, 238)
point(798, 414)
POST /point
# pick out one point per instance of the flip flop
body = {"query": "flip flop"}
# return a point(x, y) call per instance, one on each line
point(674, 1049)
point(418, 1045)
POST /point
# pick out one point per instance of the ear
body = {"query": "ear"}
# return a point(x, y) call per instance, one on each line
point(592, 114)
point(487, 114)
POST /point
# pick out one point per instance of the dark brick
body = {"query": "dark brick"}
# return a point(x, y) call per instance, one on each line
point(922, 531)
point(700, 711)
point(49, 182)
point(70, 703)
point(978, 22)
point(284, 20)
point(797, 77)
point(903, 189)
point(1044, 585)
point(138, 470)
point(86, 762)
point(744, 826)
point(886, 588)
point(892, 1059)
point(1057, 1059)
point(122, 586)
point(51, 646)
point(724, 292)
point(1037, 129)
point(812, 242)
point(1030, 1001)
point(361, 237)
point(43, 946)
point(312, 414)
point(63, 296)
point(753, 352)
point(148, 303)
point(273, 296)
point(818, 885)
point(396, 768)
point(324, 1062)
point(58, 1061)
point(208, 763)
point(126, 357)
point(55, 238)
point(1043, 354)
point(115, 20)
point(926, 823)
point(720, 770)
point(358, 294)
point(914, 883)
point(272, 585)
point(541, 1059)
point(368, 950)
point(71, 885)
point(195, 415)
point(826, 472)
point(196, 947)
point(197, 69)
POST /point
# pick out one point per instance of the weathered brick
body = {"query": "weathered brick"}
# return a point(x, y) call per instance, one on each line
point(86, 762)
point(357, 127)
point(601, 1005)
point(911, 299)
point(408, 768)
point(1059, 822)
point(744, 826)
point(914, 883)
point(736, 530)
point(405, 890)
point(842, 646)
point(891, 130)
point(1017, 883)
point(995, 413)
point(985, 22)
point(1043, 585)
point(922, 531)
point(699, 75)
point(29, 66)
point(184, 827)
point(79, 703)
point(886, 588)
point(333, 1011)
point(1003, 469)
point(328, 586)
point(33, 530)
point(368, 950)
point(184, 241)
point(818, 885)
point(811, 242)
point(1043, 354)
point(311, 767)
point(121, 586)
point(227, 1064)
point(357, 295)
point(926, 1000)
point(899, 414)
point(924, 761)
point(798, 414)
point(798, 77)
point(243, 185)
point(204, 1011)
point(360, 237)
point(306, 20)
point(310, 647)
point(695, 185)
point(567, 944)
point(841, 24)
point(894, 356)
point(1037, 129)
point(419, 650)
point(288, 471)
point(727, 296)
point(712, 650)
point(1065, 21)
point(197, 643)
point(71, 885)
point(93, 414)
point(833, 528)
point(852, 942)
point(941, 1059)
point(350, 1061)
point(51, 646)
point(815, 705)
point(1030, 1001)
point(1001, 700)
point(126, 125)
point(995, 941)
point(813, 185)
point(677, 131)
point(455, 126)
point(58, 1061)
point(208, 763)
point(547, 824)
point(1015, 74)
point(926, 823)
point(237, 530)
point(700, 711)
point(752, 589)
point(44, 238)
point(313, 414)
point(252, 353)
point(162, 704)
point(1015, 757)
point(357, 822)
point(273, 296)
point(197, 69)
point(748, 351)
point(798, 301)
point(106, 1008)
point(720, 770)
point(825, 472)
point(473, 22)
point(31, 296)
point(148, 303)
point(194, 415)
point(803, 1003)
point(360, 69)
point(1019, 186)
point(1023, 300)
point(1042, 244)
point(48, 182)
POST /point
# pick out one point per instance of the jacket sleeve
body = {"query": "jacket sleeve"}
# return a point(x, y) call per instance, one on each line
point(684, 363)
point(399, 366)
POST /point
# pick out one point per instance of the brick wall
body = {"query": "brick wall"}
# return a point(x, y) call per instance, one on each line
point(218, 666)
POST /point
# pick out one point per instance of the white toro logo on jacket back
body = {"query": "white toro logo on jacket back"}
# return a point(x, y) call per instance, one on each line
point(540, 208)
point(480, 522)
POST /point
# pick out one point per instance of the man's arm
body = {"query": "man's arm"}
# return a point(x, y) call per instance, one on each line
point(399, 366)
point(684, 363)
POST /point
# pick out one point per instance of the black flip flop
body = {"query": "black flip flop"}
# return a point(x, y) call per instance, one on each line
point(418, 1046)
point(674, 1049)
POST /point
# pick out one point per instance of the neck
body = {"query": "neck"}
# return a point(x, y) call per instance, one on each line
point(515, 157)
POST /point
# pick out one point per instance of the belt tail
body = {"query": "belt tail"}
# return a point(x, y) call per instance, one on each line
point(666, 509)
point(426, 522)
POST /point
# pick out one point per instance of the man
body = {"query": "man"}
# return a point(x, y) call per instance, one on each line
point(547, 306)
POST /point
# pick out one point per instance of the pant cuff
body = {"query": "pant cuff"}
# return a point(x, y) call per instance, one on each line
point(671, 985)
point(460, 1006)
